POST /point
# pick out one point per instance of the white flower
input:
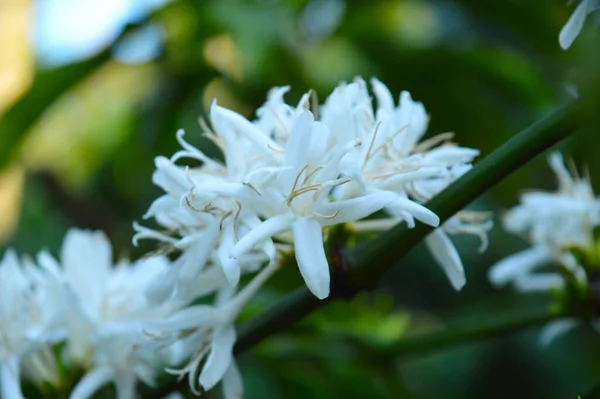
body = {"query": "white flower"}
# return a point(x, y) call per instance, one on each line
point(209, 335)
point(397, 162)
point(551, 222)
point(574, 25)
point(290, 174)
point(108, 306)
point(31, 305)
point(299, 198)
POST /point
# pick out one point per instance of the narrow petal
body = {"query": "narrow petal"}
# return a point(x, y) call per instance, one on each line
point(539, 282)
point(231, 267)
point(555, 329)
point(265, 230)
point(353, 209)
point(125, 384)
point(402, 178)
point(416, 210)
point(91, 383)
point(224, 119)
point(87, 260)
point(187, 318)
point(233, 387)
point(385, 101)
point(518, 264)
point(163, 286)
point(10, 384)
point(219, 360)
point(446, 255)
point(194, 258)
point(298, 144)
point(450, 155)
point(310, 254)
point(574, 25)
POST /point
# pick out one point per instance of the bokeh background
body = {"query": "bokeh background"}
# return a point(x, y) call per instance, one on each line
point(91, 91)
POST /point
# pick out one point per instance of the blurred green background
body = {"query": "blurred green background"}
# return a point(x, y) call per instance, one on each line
point(91, 92)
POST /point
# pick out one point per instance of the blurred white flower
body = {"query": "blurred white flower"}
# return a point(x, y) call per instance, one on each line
point(574, 25)
point(107, 309)
point(31, 306)
point(551, 222)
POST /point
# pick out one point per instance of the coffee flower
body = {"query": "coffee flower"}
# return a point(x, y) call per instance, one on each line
point(106, 312)
point(552, 222)
point(559, 226)
point(205, 334)
point(31, 308)
point(286, 177)
point(397, 161)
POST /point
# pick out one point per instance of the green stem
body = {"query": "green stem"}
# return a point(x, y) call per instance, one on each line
point(480, 331)
point(368, 262)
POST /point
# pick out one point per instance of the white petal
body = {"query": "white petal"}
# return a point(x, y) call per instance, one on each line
point(91, 383)
point(221, 355)
point(267, 229)
point(191, 317)
point(298, 144)
point(194, 258)
point(518, 264)
point(450, 155)
point(47, 262)
point(574, 25)
point(539, 282)
point(385, 101)
point(87, 260)
point(126, 385)
point(353, 209)
point(406, 177)
point(224, 119)
point(417, 210)
point(231, 267)
point(233, 387)
point(555, 329)
point(310, 254)
point(444, 252)
point(162, 287)
point(10, 383)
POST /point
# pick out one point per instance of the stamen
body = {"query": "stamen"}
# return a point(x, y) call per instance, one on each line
point(252, 187)
point(301, 191)
point(298, 178)
point(368, 156)
point(396, 173)
point(314, 101)
point(389, 139)
point(432, 142)
point(211, 135)
point(236, 219)
point(311, 174)
point(327, 216)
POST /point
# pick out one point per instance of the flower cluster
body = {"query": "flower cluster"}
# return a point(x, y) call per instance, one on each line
point(94, 308)
point(283, 180)
point(560, 227)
